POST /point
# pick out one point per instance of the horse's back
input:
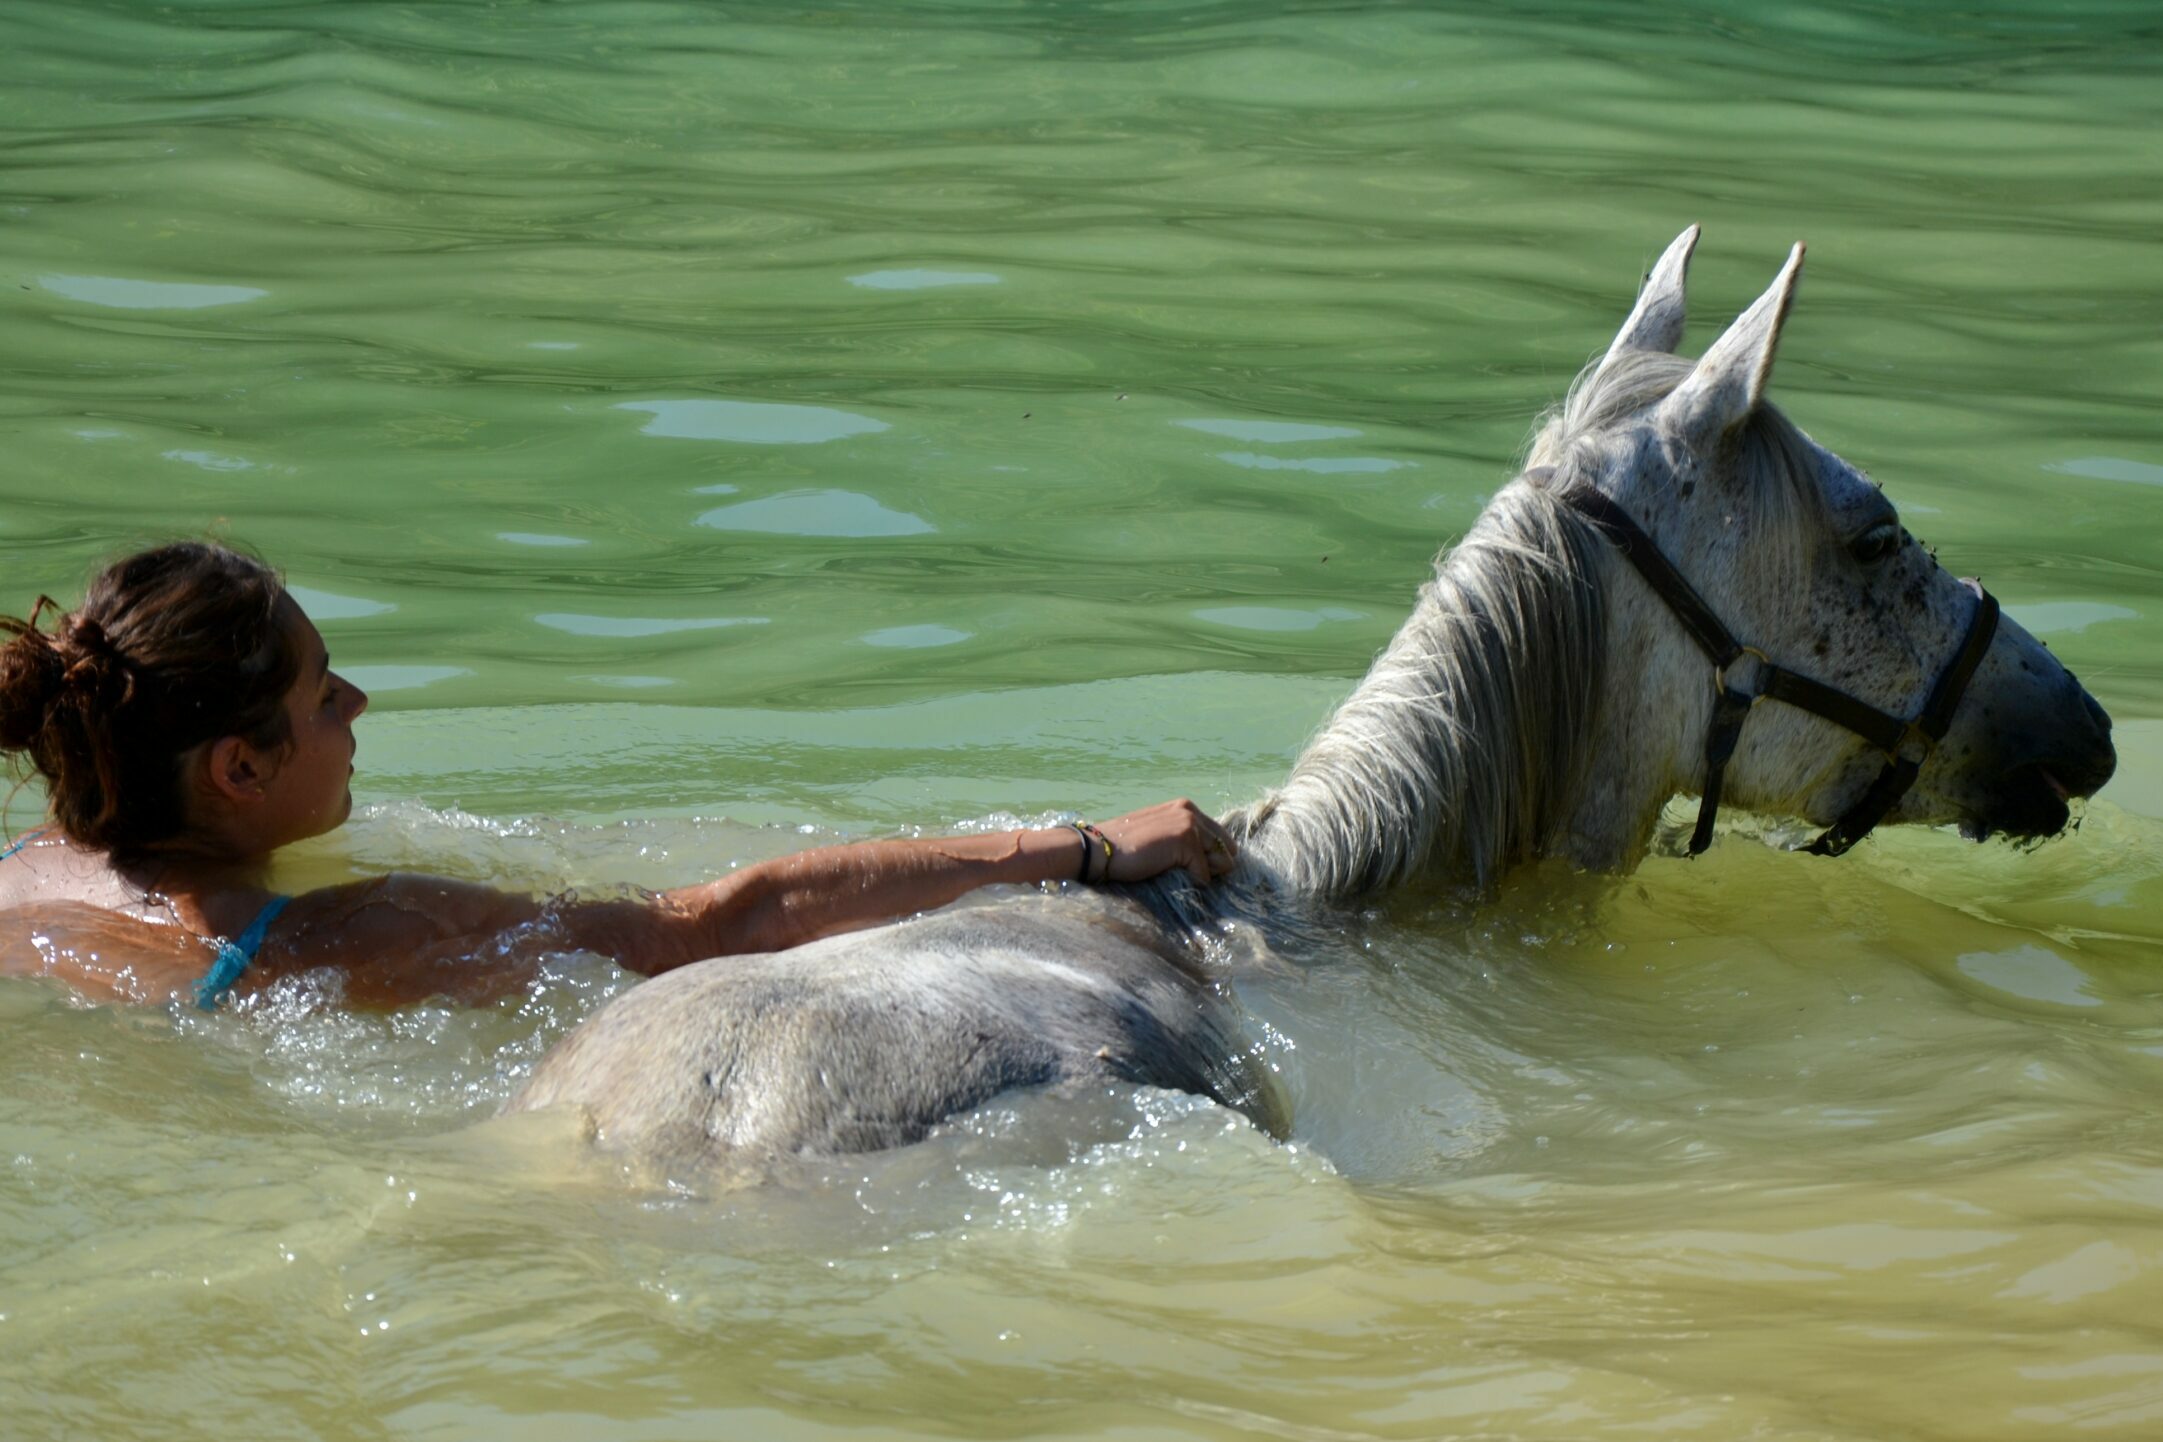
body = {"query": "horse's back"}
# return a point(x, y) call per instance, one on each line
point(868, 1040)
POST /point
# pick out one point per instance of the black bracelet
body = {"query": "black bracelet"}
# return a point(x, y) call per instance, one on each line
point(1083, 832)
point(1104, 841)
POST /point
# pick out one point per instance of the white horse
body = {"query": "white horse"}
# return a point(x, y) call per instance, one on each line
point(1675, 551)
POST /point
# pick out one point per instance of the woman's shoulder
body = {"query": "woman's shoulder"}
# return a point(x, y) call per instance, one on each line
point(50, 876)
point(68, 913)
point(42, 867)
point(113, 942)
point(103, 954)
point(402, 937)
point(403, 898)
point(395, 913)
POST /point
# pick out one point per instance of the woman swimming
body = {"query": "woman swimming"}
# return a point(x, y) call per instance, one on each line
point(186, 723)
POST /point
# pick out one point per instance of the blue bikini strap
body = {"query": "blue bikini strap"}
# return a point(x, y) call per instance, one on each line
point(23, 840)
point(234, 956)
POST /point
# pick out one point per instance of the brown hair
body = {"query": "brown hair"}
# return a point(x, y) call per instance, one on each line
point(173, 646)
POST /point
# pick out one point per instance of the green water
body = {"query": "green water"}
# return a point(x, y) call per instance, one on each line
point(707, 430)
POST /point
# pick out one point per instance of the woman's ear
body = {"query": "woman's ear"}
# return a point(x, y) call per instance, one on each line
point(234, 771)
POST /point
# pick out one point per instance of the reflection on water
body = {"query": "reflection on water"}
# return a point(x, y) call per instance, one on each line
point(750, 423)
point(816, 513)
point(323, 606)
point(921, 279)
point(1320, 465)
point(633, 683)
point(450, 313)
point(915, 637)
point(2111, 468)
point(211, 460)
point(1275, 618)
point(399, 678)
point(628, 626)
point(2034, 972)
point(1272, 432)
point(2049, 618)
point(122, 294)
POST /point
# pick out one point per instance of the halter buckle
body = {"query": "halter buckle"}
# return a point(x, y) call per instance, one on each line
point(1764, 668)
point(1915, 744)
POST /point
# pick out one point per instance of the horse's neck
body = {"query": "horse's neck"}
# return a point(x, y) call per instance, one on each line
point(1462, 751)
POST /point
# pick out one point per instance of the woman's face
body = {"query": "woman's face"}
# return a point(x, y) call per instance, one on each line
point(309, 791)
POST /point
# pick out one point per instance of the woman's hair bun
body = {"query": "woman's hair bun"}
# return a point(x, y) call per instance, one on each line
point(171, 647)
point(32, 673)
point(93, 666)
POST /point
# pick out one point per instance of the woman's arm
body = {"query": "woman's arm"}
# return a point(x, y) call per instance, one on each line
point(404, 938)
point(794, 899)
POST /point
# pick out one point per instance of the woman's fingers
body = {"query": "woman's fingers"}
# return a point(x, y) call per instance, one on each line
point(1171, 834)
point(1215, 852)
point(1218, 848)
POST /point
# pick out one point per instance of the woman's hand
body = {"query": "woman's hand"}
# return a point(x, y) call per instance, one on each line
point(1157, 839)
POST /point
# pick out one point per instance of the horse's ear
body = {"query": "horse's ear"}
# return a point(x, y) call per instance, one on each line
point(1729, 381)
point(1655, 323)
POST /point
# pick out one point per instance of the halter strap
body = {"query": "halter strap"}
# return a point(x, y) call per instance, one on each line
point(1930, 727)
point(1905, 744)
point(1705, 628)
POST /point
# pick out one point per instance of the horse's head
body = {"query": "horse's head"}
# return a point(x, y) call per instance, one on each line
point(1807, 564)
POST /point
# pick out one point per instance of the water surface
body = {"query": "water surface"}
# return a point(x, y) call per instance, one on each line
point(709, 432)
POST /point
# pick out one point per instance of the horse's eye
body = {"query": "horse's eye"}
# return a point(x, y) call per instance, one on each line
point(1877, 543)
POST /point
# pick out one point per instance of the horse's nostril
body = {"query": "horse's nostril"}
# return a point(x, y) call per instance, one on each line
point(2084, 775)
point(2096, 713)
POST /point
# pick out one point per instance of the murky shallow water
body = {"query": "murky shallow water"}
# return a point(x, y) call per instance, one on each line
point(709, 435)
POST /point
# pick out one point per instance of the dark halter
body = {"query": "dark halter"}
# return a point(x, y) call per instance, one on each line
point(1906, 744)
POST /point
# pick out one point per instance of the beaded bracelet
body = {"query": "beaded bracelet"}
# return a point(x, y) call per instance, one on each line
point(1091, 838)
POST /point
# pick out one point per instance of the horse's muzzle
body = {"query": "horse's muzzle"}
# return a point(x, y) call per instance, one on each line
point(2030, 798)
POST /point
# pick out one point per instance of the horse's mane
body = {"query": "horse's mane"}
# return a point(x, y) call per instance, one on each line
point(1462, 751)
point(1467, 730)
